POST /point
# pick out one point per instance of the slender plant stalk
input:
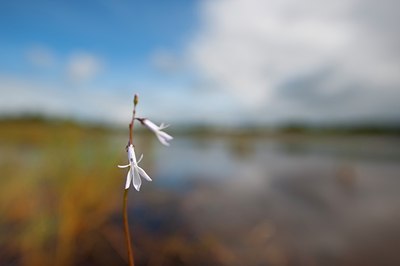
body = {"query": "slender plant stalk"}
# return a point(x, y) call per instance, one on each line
point(125, 203)
point(126, 227)
point(135, 102)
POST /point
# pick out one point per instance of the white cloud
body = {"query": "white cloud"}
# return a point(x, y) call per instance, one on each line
point(164, 61)
point(83, 66)
point(341, 53)
point(41, 56)
point(22, 95)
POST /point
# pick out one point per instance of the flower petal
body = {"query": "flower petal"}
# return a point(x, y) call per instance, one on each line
point(128, 179)
point(153, 127)
point(137, 182)
point(143, 174)
point(131, 155)
point(162, 139)
point(123, 166)
point(163, 126)
point(140, 158)
point(165, 135)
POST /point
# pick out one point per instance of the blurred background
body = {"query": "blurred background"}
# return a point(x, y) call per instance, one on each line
point(285, 117)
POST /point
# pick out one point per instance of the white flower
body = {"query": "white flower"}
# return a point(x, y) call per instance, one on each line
point(135, 171)
point(161, 135)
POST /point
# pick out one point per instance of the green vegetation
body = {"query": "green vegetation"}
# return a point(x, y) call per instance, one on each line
point(59, 185)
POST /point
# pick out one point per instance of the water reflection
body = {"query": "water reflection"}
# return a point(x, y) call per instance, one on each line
point(299, 200)
point(290, 200)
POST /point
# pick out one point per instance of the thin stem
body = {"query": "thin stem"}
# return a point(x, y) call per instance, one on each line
point(126, 227)
point(131, 124)
point(125, 205)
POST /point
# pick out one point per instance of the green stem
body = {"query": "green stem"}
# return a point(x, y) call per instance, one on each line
point(126, 227)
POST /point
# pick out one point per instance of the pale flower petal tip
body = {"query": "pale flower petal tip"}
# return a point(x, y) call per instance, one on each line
point(163, 126)
point(128, 179)
point(140, 159)
point(143, 174)
point(137, 182)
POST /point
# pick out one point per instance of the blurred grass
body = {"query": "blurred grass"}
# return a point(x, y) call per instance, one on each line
point(59, 184)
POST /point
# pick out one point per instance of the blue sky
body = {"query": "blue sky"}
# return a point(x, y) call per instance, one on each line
point(211, 61)
point(123, 38)
point(132, 29)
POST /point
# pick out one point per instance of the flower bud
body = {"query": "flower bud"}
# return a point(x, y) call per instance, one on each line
point(135, 99)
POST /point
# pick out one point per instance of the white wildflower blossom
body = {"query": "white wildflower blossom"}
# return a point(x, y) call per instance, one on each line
point(135, 171)
point(161, 135)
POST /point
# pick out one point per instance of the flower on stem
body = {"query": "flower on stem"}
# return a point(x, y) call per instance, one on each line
point(135, 171)
point(161, 135)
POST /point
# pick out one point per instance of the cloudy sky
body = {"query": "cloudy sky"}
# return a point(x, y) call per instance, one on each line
point(209, 61)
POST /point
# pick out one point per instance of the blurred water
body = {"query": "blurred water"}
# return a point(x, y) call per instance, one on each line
point(310, 200)
point(283, 200)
